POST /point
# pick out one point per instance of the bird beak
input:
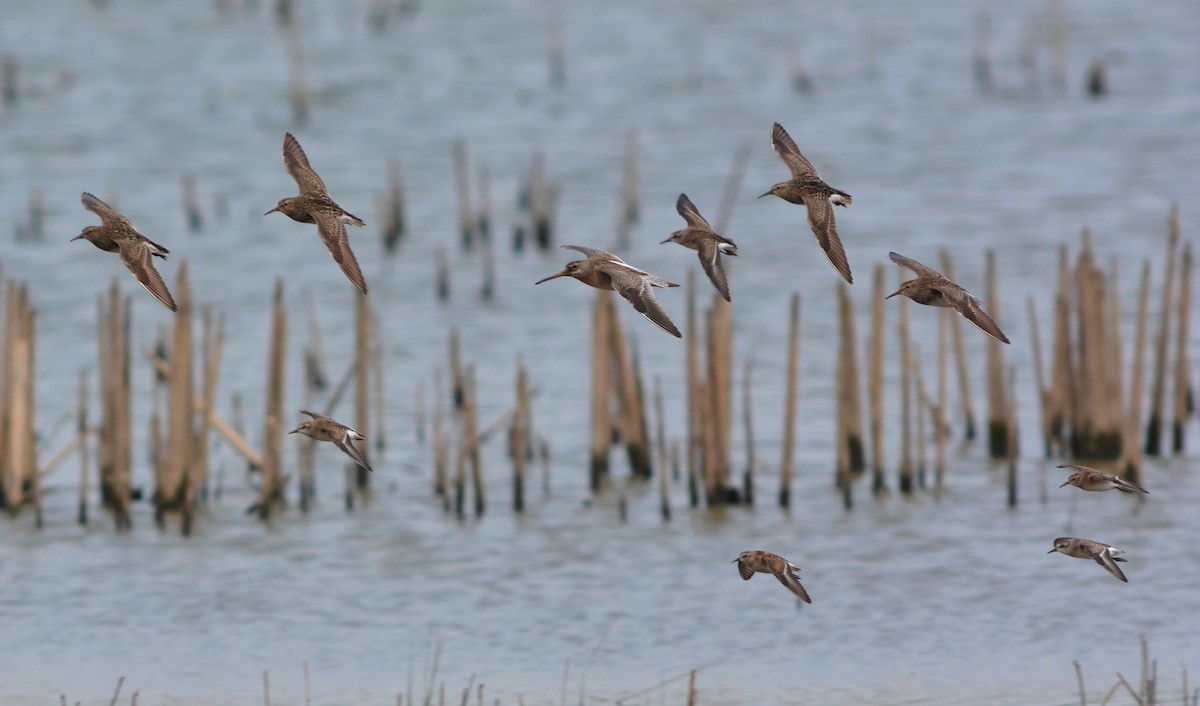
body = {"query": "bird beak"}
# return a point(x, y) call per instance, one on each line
point(76, 238)
point(735, 561)
point(1051, 551)
point(766, 194)
point(560, 274)
point(665, 241)
point(1065, 484)
point(271, 211)
point(294, 430)
point(892, 294)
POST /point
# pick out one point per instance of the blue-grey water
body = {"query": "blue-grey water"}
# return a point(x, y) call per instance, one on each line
point(916, 600)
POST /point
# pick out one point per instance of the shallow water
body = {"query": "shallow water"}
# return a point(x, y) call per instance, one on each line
point(916, 601)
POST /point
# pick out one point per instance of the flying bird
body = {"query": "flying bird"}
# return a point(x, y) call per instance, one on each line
point(806, 187)
point(1098, 552)
point(313, 205)
point(324, 428)
point(700, 236)
point(604, 270)
point(117, 234)
point(931, 287)
point(1086, 478)
point(768, 563)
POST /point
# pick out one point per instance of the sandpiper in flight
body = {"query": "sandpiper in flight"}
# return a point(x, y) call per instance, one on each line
point(700, 236)
point(767, 563)
point(1086, 478)
point(931, 287)
point(117, 234)
point(324, 428)
point(604, 270)
point(1098, 552)
point(313, 205)
point(806, 187)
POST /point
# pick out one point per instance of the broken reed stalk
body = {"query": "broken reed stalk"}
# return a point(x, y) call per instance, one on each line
point(601, 390)
point(960, 358)
point(470, 440)
point(362, 380)
point(1131, 451)
point(441, 273)
point(271, 491)
point(171, 491)
point(191, 204)
point(306, 447)
point(466, 223)
point(81, 428)
point(842, 477)
point(18, 464)
point(849, 382)
point(1095, 422)
point(541, 204)
point(789, 405)
point(664, 473)
point(379, 386)
point(922, 412)
point(1010, 439)
point(1115, 381)
point(113, 438)
point(1158, 386)
point(875, 382)
point(906, 458)
point(519, 438)
point(997, 418)
point(483, 219)
point(632, 418)
point(939, 413)
point(748, 425)
point(720, 376)
point(1182, 388)
point(419, 412)
point(440, 448)
point(197, 479)
point(1062, 373)
point(693, 454)
point(1039, 374)
point(393, 208)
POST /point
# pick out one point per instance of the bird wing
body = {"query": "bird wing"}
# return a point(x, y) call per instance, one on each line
point(333, 232)
point(792, 582)
point(787, 150)
point(136, 255)
point(970, 307)
point(314, 415)
point(1105, 558)
point(824, 227)
point(714, 267)
point(108, 215)
point(690, 213)
point(921, 270)
point(592, 252)
point(636, 288)
point(297, 165)
point(343, 442)
point(1127, 486)
point(745, 571)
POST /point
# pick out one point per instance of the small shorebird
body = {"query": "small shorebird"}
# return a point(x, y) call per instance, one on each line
point(1098, 552)
point(931, 287)
point(313, 205)
point(806, 187)
point(117, 234)
point(1086, 478)
point(700, 236)
point(604, 270)
point(324, 428)
point(768, 563)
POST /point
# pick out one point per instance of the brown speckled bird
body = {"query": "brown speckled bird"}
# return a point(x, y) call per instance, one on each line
point(767, 563)
point(931, 287)
point(700, 236)
point(117, 234)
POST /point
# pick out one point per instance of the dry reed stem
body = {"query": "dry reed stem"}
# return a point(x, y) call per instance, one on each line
point(664, 480)
point(81, 427)
point(632, 418)
point(271, 491)
point(170, 493)
point(462, 188)
point(1011, 438)
point(1039, 373)
point(789, 405)
point(191, 203)
point(875, 382)
point(733, 186)
point(691, 343)
point(471, 441)
point(748, 426)
point(601, 390)
point(960, 358)
point(519, 439)
point(1131, 449)
point(1062, 369)
point(1158, 387)
point(1182, 387)
point(939, 418)
point(997, 427)
point(362, 374)
point(906, 458)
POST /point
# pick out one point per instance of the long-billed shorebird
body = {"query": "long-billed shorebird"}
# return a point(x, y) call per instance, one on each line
point(700, 236)
point(768, 563)
point(1086, 478)
point(604, 270)
point(313, 205)
point(324, 428)
point(806, 187)
point(117, 234)
point(931, 287)
point(1098, 552)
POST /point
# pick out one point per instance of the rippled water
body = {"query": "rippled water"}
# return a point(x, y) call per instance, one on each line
point(917, 601)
